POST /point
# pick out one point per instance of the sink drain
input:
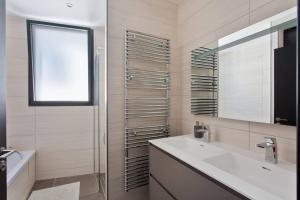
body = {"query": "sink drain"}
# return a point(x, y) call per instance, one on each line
point(265, 168)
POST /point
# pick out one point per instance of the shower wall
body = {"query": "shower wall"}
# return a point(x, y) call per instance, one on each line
point(62, 136)
point(99, 108)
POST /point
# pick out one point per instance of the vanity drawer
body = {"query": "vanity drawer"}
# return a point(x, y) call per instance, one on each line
point(184, 182)
point(157, 192)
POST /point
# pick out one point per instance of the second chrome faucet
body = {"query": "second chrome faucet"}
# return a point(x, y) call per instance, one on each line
point(270, 145)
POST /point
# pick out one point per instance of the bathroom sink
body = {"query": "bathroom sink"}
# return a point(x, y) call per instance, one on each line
point(194, 147)
point(264, 175)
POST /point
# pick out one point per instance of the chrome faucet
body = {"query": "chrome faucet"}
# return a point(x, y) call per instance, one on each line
point(271, 149)
point(7, 152)
point(207, 133)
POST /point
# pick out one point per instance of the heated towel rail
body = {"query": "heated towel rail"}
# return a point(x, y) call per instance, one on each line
point(147, 60)
point(204, 82)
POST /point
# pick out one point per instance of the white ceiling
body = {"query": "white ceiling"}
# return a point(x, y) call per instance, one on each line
point(84, 12)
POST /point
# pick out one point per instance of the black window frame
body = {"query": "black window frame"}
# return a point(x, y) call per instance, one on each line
point(90, 34)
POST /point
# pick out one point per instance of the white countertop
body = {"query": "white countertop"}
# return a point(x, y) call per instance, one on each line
point(278, 182)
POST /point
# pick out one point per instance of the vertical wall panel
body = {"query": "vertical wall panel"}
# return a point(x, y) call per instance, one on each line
point(155, 17)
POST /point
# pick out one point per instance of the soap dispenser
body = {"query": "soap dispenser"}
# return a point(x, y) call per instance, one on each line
point(199, 130)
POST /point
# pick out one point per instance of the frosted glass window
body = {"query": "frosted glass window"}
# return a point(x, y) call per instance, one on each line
point(60, 64)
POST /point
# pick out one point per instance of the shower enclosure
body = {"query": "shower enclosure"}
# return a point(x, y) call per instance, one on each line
point(100, 118)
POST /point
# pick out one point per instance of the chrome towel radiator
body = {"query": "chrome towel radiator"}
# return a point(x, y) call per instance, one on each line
point(204, 82)
point(147, 60)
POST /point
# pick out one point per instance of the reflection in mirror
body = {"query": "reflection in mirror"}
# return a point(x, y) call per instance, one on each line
point(249, 75)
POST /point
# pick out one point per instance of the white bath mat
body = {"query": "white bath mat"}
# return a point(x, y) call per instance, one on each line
point(63, 192)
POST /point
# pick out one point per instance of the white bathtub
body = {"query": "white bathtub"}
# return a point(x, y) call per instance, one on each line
point(20, 175)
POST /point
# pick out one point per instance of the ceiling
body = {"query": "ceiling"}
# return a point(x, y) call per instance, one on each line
point(78, 12)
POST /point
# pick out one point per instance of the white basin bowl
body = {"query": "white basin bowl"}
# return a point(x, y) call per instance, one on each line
point(269, 177)
point(194, 147)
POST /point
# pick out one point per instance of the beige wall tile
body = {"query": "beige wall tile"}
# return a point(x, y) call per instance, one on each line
point(228, 123)
point(188, 8)
point(64, 141)
point(175, 127)
point(254, 4)
point(63, 123)
point(186, 83)
point(17, 87)
point(17, 68)
point(187, 127)
point(75, 111)
point(20, 125)
point(174, 106)
point(64, 163)
point(16, 48)
point(18, 106)
point(21, 142)
point(16, 27)
point(186, 108)
point(234, 26)
point(216, 12)
point(288, 132)
point(270, 9)
point(50, 161)
point(116, 82)
point(187, 47)
point(164, 12)
point(115, 108)
point(116, 50)
point(175, 83)
point(232, 136)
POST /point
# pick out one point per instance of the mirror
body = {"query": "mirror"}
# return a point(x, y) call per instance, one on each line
point(250, 74)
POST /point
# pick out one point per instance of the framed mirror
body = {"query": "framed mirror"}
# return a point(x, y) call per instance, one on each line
point(250, 74)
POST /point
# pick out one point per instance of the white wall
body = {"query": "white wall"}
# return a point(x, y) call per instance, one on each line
point(62, 136)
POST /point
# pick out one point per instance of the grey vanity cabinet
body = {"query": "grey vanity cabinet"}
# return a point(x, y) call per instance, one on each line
point(172, 179)
point(156, 192)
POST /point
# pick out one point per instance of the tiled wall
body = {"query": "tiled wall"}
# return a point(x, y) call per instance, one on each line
point(189, 24)
point(62, 136)
point(203, 22)
point(155, 17)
